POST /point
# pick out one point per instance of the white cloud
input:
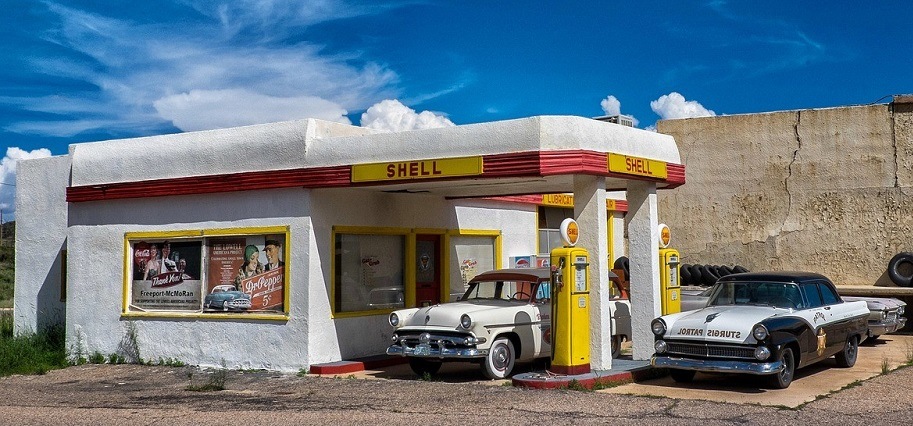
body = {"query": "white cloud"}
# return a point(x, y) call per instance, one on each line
point(392, 116)
point(8, 176)
point(209, 109)
point(612, 106)
point(674, 105)
point(144, 75)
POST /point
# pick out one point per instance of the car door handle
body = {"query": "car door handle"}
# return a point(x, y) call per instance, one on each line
point(827, 308)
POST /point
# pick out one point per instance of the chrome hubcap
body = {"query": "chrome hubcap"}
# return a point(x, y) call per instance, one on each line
point(501, 358)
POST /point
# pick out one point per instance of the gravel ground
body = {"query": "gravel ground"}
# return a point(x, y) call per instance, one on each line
point(130, 394)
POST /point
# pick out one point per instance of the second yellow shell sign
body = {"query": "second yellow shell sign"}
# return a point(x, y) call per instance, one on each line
point(637, 166)
point(417, 169)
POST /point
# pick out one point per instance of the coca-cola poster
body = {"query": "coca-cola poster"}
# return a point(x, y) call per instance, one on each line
point(166, 275)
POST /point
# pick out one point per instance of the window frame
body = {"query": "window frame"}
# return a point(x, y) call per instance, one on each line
point(203, 235)
point(409, 267)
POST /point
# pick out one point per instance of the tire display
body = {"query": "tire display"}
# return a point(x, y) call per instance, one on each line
point(900, 269)
point(701, 275)
point(706, 275)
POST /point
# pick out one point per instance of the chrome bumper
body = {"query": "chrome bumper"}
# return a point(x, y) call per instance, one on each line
point(879, 328)
point(466, 353)
point(717, 366)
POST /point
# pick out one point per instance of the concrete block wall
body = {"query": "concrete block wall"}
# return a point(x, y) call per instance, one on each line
point(823, 190)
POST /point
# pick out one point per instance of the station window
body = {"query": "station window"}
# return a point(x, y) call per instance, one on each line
point(549, 223)
point(369, 272)
point(472, 255)
point(237, 271)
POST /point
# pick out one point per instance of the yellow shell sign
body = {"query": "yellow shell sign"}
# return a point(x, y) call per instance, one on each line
point(665, 235)
point(569, 231)
point(629, 165)
point(418, 169)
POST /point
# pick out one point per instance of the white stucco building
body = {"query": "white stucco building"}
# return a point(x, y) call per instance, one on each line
point(126, 240)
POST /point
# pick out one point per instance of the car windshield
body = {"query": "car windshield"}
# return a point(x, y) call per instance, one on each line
point(518, 291)
point(776, 294)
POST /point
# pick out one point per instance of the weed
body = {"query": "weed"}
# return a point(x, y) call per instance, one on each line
point(97, 358)
point(174, 362)
point(30, 353)
point(77, 351)
point(574, 385)
point(885, 368)
point(302, 372)
point(426, 376)
point(909, 353)
point(215, 381)
point(116, 359)
point(129, 344)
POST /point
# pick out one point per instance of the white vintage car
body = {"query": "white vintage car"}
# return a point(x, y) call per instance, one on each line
point(762, 323)
point(503, 317)
point(885, 314)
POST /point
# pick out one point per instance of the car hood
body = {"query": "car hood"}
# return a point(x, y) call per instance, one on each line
point(729, 324)
point(877, 303)
point(448, 314)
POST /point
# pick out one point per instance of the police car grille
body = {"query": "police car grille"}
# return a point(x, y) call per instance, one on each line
point(710, 351)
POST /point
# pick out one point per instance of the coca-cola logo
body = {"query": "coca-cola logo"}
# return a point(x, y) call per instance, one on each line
point(141, 253)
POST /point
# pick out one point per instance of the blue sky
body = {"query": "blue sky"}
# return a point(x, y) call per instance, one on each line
point(87, 71)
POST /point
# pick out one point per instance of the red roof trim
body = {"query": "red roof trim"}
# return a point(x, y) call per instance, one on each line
point(519, 164)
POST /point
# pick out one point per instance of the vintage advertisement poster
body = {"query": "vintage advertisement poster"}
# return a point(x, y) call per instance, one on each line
point(251, 265)
point(166, 275)
point(225, 256)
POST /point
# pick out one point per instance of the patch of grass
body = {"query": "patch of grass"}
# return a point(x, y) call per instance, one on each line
point(7, 275)
point(215, 381)
point(30, 353)
point(97, 358)
point(574, 385)
point(885, 368)
point(116, 359)
point(167, 362)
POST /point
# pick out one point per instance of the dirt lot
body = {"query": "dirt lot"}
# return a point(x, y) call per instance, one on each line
point(129, 394)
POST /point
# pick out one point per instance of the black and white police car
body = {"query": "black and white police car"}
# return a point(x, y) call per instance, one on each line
point(763, 323)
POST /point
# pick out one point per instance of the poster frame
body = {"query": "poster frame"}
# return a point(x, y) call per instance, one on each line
point(203, 234)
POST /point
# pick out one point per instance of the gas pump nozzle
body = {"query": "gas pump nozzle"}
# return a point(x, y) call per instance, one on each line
point(557, 277)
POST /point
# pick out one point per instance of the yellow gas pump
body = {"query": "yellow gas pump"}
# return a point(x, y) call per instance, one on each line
point(669, 284)
point(570, 305)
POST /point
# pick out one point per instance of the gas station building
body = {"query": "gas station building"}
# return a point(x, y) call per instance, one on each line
point(135, 243)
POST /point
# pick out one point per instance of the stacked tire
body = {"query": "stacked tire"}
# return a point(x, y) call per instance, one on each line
point(699, 275)
point(900, 269)
point(706, 275)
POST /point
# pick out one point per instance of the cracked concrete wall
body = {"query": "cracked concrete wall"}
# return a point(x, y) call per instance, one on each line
point(823, 190)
